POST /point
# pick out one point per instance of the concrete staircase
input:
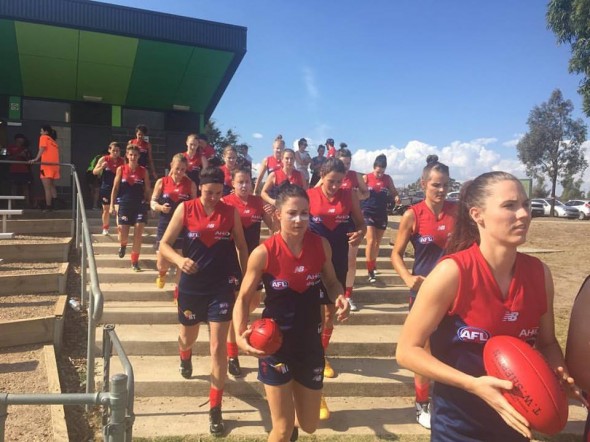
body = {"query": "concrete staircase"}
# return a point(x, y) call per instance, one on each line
point(370, 396)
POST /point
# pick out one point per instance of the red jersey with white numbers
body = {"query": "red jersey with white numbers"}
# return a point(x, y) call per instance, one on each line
point(132, 187)
point(251, 214)
point(350, 181)
point(110, 171)
point(208, 241)
point(272, 164)
point(430, 235)
point(292, 286)
point(479, 312)
point(193, 168)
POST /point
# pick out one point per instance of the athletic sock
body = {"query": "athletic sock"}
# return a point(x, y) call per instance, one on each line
point(348, 292)
point(185, 355)
point(162, 273)
point(232, 350)
point(326, 335)
point(134, 257)
point(422, 391)
point(215, 396)
point(371, 265)
point(105, 227)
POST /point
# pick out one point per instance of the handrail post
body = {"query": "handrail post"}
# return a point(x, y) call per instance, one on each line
point(115, 430)
point(90, 348)
point(3, 413)
point(83, 297)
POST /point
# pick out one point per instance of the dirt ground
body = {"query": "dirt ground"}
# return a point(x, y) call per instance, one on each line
point(21, 369)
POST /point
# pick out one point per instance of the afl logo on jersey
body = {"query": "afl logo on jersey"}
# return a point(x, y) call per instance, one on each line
point(473, 334)
point(279, 284)
point(426, 239)
point(193, 235)
point(316, 219)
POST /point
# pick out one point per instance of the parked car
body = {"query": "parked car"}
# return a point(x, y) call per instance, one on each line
point(537, 209)
point(453, 196)
point(582, 205)
point(561, 210)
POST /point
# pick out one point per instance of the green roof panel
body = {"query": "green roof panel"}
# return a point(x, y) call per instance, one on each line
point(10, 78)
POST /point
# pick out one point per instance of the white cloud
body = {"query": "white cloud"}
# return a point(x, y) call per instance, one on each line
point(513, 142)
point(310, 83)
point(466, 160)
point(257, 135)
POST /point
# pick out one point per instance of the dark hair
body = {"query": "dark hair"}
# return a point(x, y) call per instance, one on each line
point(321, 146)
point(22, 136)
point(143, 128)
point(344, 153)
point(115, 144)
point(330, 141)
point(50, 131)
point(212, 175)
point(380, 161)
point(432, 163)
point(473, 194)
point(343, 145)
point(215, 161)
point(288, 190)
point(203, 137)
point(242, 169)
point(332, 165)
point(301, 141)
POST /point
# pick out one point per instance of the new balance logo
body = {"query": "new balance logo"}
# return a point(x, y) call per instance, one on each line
point(299, 269)
point(510, 317)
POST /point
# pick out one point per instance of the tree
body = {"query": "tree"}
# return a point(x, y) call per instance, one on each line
point(539, 188)
point(552, 146)
point(219, 141)
point(570, 21)
point(572, 188)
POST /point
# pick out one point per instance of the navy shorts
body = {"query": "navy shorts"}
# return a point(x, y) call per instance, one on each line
point(129, 216)
point(217, 307)
point(305, 367)
point(105, 196)
point(377, 221)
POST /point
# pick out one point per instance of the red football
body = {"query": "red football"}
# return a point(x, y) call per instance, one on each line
point(266, 336)
point(537, 393)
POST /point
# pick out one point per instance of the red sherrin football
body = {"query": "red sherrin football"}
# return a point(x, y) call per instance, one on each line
point(266, 336)
point(536, 394)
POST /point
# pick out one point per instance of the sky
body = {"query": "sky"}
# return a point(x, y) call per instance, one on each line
point(407, 78)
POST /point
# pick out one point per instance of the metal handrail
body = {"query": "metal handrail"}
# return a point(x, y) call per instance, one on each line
point(94, 298)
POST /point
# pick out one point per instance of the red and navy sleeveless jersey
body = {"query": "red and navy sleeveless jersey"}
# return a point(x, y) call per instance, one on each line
point(295, 178)
point(292, 286)
point(478, 313)
point(110, 171)
point(227, 185)
point(251, 214)
point(173, 194)
point(208, 241)
point(350, 181)
point(430, 235)
point(132, 187)
point(193, 168)
point(379, 194)
point(331, 219)
point(272, 164)
point(143, 151)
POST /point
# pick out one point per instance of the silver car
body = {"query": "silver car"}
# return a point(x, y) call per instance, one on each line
point(582, 205)
point(561, 210)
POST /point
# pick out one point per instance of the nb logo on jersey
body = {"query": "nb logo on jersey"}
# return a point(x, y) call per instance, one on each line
point(510, 316)
point(473, 334)
point(332, 210)
point(246, 211)
point(441, 228)
point(279, 284)
point(426, 239)
point(299, 269)
point(211, 226)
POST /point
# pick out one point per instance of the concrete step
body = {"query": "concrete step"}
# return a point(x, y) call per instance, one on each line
point(356, 377)
point(148, 291)
point(149, 236)
point(166, 312)
point(350, 340)
point(351, 418)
